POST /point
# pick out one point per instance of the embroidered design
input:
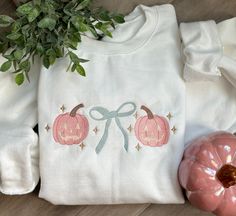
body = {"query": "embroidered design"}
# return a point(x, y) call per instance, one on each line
point(169, 116)
point(82, 146)
point(63, 108)
point(70, 128)
point(138, 147)
point(108, 116)
point(95, 130)
point(130, 128)
point(47, 128)
point(152, 130)
point(174, 129)
point(136, 115)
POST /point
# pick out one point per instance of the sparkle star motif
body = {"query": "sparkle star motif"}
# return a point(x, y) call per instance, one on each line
point(174, 129)
point(169, 116)
point(138, 147)
point(63, 108)
point(47, 128)
point(95, 130)
point(136, 115)
point(82, 146)
point(130, 128)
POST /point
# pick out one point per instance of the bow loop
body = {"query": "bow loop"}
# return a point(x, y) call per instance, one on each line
point(102, 111)
point(127, 113)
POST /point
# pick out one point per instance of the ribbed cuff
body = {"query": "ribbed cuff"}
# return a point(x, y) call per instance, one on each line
point(19, 154)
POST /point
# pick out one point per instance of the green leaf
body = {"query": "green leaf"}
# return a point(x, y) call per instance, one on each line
point(78, 23)
point(16, 26)
point(33, 14)
point(93, 31)
point(83, 27)
point(80, 70)
point(46, 62)
point(73, 40)
point(68, 7)
point(103, 27)
point(37, 2)
point(39, 49)
point(49, 6)
point(17, 71)
point(51, 56)
point(14, 36)
point(59, 52)
point(25, 65)
point(51, 52)
point(19, 79)
point(104, 16)
point(6, 66)
point(15, 64)
point(18, 54)
point(119, 18)
point(83, 4)
point(5, 21)
point(73, 68)
point(25, 9)
point(47, 22)
point(74, 58)
point(52, 59)
point(83, 60)
point(9, 57)
point(3, 47)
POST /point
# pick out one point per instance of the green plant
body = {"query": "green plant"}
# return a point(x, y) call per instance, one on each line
point(51, 29)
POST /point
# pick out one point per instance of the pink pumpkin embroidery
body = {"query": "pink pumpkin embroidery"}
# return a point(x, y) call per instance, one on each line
point(152, 130)
point(70, 128)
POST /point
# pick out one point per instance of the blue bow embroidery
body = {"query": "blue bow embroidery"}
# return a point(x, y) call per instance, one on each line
point(108, 116)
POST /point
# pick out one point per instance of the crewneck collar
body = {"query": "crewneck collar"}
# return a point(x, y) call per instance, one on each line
point(148, 25)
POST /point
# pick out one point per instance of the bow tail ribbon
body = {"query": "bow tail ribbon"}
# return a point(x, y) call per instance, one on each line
point(126, 139)
point(104, 137)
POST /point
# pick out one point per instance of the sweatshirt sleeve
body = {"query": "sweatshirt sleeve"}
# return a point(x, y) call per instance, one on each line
point(204, 50)
point(19, 172)
point(209, 51)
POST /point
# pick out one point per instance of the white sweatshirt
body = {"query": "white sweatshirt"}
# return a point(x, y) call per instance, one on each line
point(111, 150)
point(117, 135)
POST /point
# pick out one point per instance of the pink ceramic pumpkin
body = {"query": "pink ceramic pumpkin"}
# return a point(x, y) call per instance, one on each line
point(70, 128)
point(152, 130)
point(208, 173)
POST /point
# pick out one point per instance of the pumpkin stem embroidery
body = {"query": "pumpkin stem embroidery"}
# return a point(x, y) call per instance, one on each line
point(148, 111)
point(70, 128)
point(152, 130)
point(74, 110)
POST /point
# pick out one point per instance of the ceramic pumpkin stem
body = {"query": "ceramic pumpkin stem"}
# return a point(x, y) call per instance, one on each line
point(75, 109)
point(148, 111)
point(227, 175)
